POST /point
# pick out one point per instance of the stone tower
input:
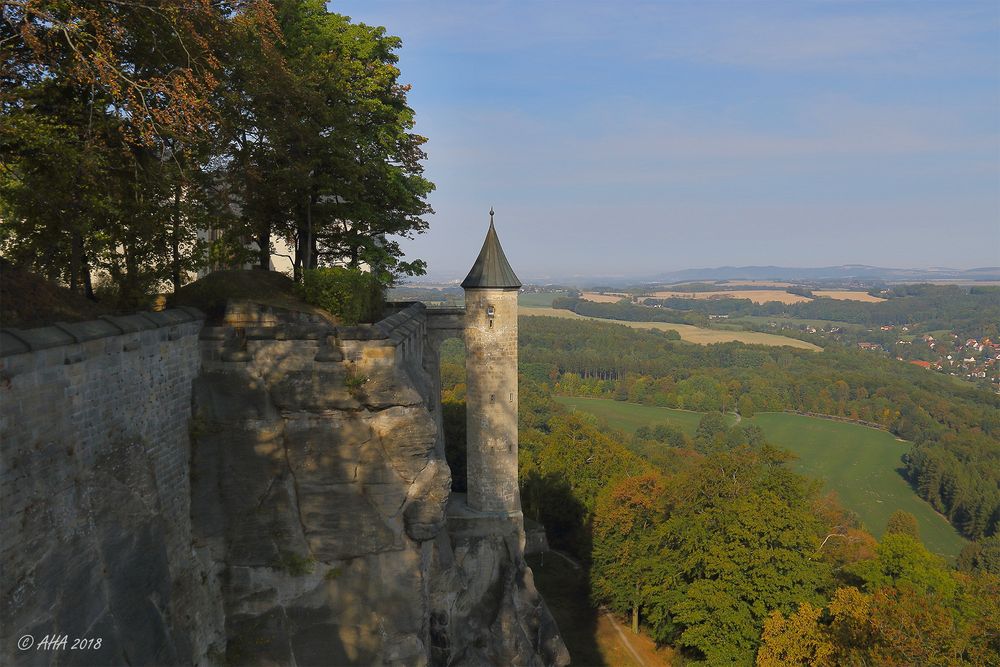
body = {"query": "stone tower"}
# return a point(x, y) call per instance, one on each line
point(491, 290)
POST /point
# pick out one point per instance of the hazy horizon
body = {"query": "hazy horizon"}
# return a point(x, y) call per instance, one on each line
point(648, 137)
point(593, 277)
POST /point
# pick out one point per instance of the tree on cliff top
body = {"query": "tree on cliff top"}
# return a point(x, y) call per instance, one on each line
point(100, 101)
point(125, 127)
point(319, 134)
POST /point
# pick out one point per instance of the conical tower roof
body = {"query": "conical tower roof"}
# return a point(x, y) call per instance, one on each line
point(491, 268)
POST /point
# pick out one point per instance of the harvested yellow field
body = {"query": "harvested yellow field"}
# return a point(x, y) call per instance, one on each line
point(688, 332)
point(847, 295)
point(758, 296)
point(602, 298)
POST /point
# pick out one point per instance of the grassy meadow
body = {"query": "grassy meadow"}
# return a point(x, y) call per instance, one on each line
point(689, 333)
point(538, 299)
point(794, 321)
point(860, 464)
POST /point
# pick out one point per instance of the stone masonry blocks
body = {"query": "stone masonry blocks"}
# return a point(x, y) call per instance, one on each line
point(491, 399)
point(94, 450)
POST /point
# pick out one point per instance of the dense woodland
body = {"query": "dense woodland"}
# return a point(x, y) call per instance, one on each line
point(711, 543)
point(141, 141)
point(968, 311)
point(955, 427)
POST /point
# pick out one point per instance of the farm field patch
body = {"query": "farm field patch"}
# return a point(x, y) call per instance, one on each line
point(602, 298)
point(794, 321)
point(848, 295)
point(689, 333)
point(538, 299)
point(860, 464)
point(765, 294)
point(758, 296)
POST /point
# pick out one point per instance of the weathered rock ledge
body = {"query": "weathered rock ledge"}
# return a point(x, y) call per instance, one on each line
point(321, 491)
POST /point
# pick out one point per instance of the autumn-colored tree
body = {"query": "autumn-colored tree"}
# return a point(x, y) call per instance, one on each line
point(625, 541)
point(845, 542)
point(104, 106)
point(798, 639)
point(564, 470)
point(893, 625)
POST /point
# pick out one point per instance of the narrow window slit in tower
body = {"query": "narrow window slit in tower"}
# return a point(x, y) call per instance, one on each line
point(511, 399)
point(492, 398)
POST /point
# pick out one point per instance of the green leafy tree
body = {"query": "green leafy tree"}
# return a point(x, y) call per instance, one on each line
point(128, 127)
point(711, 433)
point(902, 523)
point(736, 542)
point(981, 556)
point(902, 559)
point(103, 106)
point(324, 152)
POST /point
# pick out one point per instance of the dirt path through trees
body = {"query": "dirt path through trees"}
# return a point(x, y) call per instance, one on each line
point(625, 642)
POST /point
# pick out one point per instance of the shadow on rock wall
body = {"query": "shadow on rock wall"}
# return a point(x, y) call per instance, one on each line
point(314, 489)
point(320, 484)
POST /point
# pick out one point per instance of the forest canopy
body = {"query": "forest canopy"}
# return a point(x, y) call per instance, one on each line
point(708, 540)
point(139, 142)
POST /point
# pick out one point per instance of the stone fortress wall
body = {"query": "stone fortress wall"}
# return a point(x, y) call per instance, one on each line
point(300, 514)
point(95, 502)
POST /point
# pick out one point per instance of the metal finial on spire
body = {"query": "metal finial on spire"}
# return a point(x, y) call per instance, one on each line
point(491, 215)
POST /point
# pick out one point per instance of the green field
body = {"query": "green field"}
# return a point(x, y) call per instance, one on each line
point(861, 464)
point(538, 299)
point(795, 321)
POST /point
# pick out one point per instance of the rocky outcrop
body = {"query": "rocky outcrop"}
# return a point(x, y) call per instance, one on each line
point(485, 609)
point(321, 491)
point(299, 513)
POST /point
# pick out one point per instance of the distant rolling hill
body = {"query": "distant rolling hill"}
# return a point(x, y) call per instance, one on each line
point(843, 272)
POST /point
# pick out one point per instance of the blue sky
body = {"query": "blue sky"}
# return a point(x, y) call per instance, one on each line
point(635, 137)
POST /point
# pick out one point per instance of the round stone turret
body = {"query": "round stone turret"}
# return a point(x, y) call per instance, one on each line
point(491, 290)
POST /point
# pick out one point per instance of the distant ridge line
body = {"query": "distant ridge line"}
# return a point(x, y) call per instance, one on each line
point(841, 272)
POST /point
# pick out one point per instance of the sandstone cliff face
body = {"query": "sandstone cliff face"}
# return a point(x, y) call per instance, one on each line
point(321, 492)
